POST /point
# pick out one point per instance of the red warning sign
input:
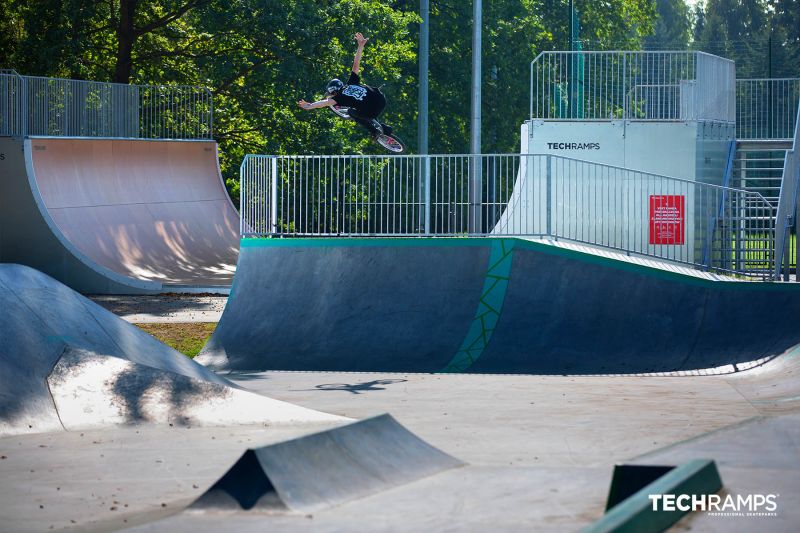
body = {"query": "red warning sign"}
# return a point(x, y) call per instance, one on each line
point(667, 219)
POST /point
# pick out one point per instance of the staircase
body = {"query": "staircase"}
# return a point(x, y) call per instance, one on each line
point(743, 238)
point(767, 117)
point(758, 167)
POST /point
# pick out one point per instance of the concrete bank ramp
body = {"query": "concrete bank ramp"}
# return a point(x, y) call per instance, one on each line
point(774, 387)
point(493, 305)
point(67, 363)
point(109, 216)
point(327, 468)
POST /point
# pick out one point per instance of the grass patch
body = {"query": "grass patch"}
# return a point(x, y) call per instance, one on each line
point(186, 337)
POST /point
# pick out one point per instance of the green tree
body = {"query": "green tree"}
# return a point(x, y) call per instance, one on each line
point(260, 57)
point(785, 42)
point(699, 22)
point(514, 33)
point(673, 28)
point(751, 33)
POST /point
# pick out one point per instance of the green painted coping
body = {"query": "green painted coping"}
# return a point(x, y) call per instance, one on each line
point(636, 514)
point(520, 244)
point(490, 306)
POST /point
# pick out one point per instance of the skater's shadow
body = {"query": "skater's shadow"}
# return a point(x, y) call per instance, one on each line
point(358, 388)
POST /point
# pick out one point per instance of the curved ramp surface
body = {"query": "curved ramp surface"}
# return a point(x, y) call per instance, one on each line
point(488, 305)
point(67, 363)
point(118, 216)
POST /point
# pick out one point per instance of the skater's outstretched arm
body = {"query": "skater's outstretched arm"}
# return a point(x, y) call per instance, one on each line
point(361, 40)
point(327, 102)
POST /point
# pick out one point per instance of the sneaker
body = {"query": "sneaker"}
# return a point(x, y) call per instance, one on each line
point(377, 126)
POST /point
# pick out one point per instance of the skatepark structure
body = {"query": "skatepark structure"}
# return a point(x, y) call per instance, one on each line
point(112, 215)
point(68, 364)
point(491, 305)
point(538, 449)
point(554, 265)
point(596, 332)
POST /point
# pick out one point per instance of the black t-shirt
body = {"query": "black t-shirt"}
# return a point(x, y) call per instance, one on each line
point(364, 98)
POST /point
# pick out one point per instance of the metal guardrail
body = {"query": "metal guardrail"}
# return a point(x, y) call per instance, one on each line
point(12, 117)
point(786, 217)
point(766, 108)
point(520, 195)
point(636, 85)
point(31, 105)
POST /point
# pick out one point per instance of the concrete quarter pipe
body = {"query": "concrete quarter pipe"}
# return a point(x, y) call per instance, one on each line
point(489, 305)
point(118, 216)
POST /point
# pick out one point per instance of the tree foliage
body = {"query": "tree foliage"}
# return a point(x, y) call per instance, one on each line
point(514, 33)
point(673, 27)
point(260, 56)
point(761, 36)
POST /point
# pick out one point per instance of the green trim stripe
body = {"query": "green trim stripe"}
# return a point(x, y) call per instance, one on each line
point(522, 244)
point(490, 306)
point(365, 242)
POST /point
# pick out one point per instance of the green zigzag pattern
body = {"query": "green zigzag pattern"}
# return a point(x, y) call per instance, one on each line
point(489, 308)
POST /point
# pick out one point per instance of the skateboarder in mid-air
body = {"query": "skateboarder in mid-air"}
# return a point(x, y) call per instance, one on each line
point(365, 103)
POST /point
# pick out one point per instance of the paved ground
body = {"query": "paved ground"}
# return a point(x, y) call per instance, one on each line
point(540, 450)
point(165, 307)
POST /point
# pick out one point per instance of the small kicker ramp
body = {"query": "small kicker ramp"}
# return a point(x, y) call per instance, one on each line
point(119, 216)
point(326, 468)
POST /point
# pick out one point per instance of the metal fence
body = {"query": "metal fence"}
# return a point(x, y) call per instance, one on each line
point(31, 105)
point(706, 226)
point(767, 108)
point(590, 85)
point(11, 112)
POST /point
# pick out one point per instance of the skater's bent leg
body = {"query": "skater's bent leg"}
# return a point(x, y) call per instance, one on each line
point(367, 122)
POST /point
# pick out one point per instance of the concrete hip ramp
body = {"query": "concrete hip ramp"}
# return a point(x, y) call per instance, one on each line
point(67, 364)
point(118, 216)
point(493, 305)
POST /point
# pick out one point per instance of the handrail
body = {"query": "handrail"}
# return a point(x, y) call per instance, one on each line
point(765, 108)
point(595, 85)
point(13, 121)
point(530, 195)
point(786, 216)
point(45, 106)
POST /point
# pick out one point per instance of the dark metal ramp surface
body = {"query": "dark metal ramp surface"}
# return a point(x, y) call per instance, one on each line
point(487, 305)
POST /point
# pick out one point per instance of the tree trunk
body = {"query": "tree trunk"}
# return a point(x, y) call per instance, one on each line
point(125, 40)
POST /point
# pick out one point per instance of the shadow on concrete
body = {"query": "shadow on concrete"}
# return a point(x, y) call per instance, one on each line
point(358, 388)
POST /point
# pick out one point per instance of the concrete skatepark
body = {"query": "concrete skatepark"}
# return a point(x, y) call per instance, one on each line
point(537, 450)
point(142, 445)
point(517, 371)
